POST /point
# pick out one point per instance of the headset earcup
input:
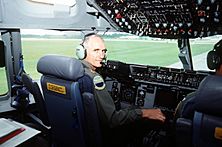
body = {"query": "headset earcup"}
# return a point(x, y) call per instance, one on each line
point(213, 60)
point(80, 52)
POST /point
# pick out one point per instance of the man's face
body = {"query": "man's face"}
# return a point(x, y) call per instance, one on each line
point(96, 51)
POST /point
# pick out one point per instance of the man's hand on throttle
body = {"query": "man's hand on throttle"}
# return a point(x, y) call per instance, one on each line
point(154, 114)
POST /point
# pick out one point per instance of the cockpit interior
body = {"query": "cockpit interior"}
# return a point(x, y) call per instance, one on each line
point(129, 84)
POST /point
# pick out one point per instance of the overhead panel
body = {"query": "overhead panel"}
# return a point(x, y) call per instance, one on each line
point(165, 18)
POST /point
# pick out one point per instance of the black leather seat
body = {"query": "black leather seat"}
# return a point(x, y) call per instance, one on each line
point(205, 129)
point(72, 112)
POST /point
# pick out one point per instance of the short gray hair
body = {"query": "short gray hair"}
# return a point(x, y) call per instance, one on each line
point(87, 38)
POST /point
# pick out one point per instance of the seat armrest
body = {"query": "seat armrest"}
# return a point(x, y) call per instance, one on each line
point(183, 132)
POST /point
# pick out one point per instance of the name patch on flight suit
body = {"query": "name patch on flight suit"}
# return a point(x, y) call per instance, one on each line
point(98, 83)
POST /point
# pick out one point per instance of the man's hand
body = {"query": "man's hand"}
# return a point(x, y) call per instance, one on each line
point(154, 114)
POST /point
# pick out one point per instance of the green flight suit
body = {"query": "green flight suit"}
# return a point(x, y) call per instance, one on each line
point(106, 107)
point(118, 127)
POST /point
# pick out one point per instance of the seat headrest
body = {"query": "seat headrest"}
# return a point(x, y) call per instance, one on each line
point(209, 95)
point(61, 67)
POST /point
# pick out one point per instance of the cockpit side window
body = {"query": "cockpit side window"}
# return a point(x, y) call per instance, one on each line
point(3, 78)
point(3, 81)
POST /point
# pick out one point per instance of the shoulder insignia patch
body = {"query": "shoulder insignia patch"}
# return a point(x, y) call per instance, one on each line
point(98, 83)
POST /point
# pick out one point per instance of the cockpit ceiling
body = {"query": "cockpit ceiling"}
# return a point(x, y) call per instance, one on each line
point(165, 18)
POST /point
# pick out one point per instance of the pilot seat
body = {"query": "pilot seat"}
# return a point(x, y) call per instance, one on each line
point(205, 129)
point(70, 105)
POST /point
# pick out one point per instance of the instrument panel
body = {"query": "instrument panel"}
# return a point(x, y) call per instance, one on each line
point(150, 86)
point(165, 18)
point(180, 78)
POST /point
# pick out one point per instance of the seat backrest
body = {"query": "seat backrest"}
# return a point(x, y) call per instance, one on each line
point(207, 121)
point(34, 89)
point(209, 96)
point(207, 130)
point(70, 111)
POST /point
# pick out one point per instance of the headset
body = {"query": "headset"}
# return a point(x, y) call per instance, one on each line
point(80, 49)
point(214, 57)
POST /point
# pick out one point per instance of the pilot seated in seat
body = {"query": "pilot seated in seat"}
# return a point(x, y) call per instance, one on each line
point(114, 123)
point(187, 106)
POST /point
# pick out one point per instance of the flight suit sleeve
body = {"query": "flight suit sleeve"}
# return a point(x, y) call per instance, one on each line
point(110, 115)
